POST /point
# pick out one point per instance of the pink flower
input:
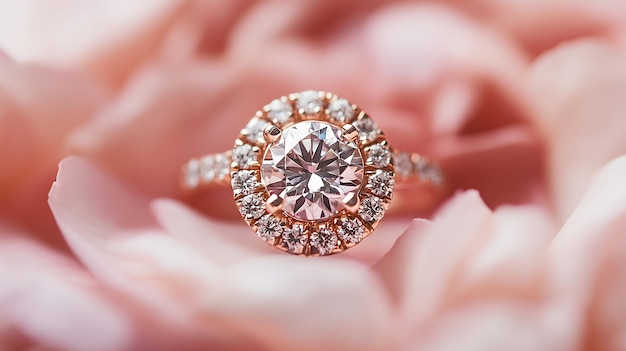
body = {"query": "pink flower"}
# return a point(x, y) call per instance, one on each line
point(522, 101)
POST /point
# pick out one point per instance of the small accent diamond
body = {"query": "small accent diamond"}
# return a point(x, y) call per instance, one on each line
point(244, 182)
point(294, 239)
point(279, 111)
point(351, 230)
point(192, 174)
point(221, 166)
point(403, 163)
point(270, 228)
point(244, 155)
point(368, 129)
point(252, 206)
point(379, 156)
point(325, 241)
point(428, 171)
point(381, 183)
point(207, 168)
point(372, 209)
point(341, 110)
point(309, 103)
point(254, 130)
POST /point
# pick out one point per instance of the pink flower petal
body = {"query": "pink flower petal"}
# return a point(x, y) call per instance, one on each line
point(292, 303)
point(587, 264)
point(577, 94)
point(110, 228)
point(54, 303)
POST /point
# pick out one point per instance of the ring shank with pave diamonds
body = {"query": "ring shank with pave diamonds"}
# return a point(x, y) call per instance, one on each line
point(311, 173)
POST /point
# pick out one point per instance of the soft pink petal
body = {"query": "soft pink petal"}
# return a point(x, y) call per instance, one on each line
point(110, 228)
point(587, 264)
point(435, 254)
point(105, 38)
point(54, 303)
point(294, 303)
point(576, 92)
point(38, 109)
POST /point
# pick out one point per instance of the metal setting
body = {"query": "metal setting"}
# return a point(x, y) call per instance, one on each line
point(312, 174)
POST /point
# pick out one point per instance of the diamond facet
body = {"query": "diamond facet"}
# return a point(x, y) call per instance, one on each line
point(379, 156)
point(252, 206)
point(244, 182)
point(381, 183)
point(372, 209)
point(351, 230)
point(294, 239)
point(269, 228)
point(279, 111)
point(324, 240)
point(340, 110)
point(312, 169)
point(244, 155)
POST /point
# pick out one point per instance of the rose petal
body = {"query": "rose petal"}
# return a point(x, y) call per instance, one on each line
point(290, 303)
point(587, 263)
point(577, 94)
point(54, 303)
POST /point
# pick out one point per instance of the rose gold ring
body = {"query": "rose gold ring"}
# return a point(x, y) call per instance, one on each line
point(311, 173)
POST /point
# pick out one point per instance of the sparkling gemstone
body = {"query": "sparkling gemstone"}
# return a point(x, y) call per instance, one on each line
point(381, 183)
point(379, 156)
point(279, 111)
point(252, 206)
point(324, 240)
point(221, 166)
point(269, 228)
point(254, 130)
point(294, 239)
point(309, 102)
point(312, 169)
point(340, 110)
point(192, 174)
point(368, 129)
point(427, 171)
point(207, 168)
point(244, 155)
point(372, 209)
point(403, 163)
point(351, 230)
point(244, 182)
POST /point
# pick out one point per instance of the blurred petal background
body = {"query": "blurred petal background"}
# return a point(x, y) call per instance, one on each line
point(522, 102)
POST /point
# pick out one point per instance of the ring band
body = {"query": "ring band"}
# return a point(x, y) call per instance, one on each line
point(311, 173)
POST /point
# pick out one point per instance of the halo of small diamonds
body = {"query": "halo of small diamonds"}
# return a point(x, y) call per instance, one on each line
point(327, 147)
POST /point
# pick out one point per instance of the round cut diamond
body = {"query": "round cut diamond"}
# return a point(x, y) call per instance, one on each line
point(379, 156)
point(372, 209)
point(254, 130)
point(351, 230)
point(340, 110)
point(279, 111)
point(381, 183)
point(312, 169)
point(325, 241)
point(403, 163)
point(294, 239)
point(368, 129)
point(252, 206)
point(269, 228)
point(309, 102)
point(244, 182)
point(244, 155)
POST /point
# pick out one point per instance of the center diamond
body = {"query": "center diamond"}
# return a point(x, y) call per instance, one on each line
point(312, 169)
